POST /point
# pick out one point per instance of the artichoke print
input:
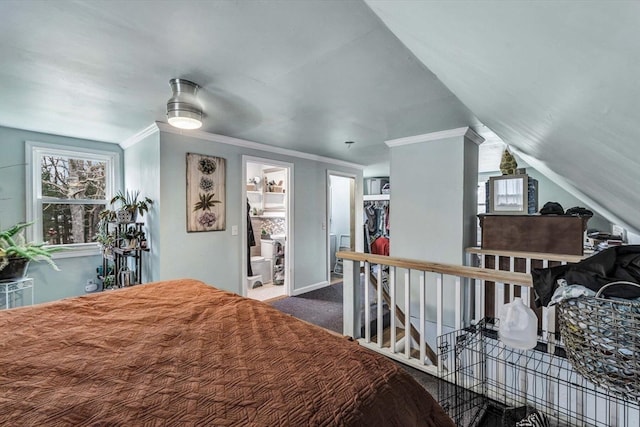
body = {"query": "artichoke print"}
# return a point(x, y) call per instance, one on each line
point(207, 219)
point(206, 189)
point(206, 184)
point(207, 166)
point(206, 202)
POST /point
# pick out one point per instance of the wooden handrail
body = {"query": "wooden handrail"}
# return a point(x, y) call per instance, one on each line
point(532, 255)
point(520, 279)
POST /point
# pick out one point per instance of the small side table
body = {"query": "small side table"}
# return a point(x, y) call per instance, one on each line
point(12, 292)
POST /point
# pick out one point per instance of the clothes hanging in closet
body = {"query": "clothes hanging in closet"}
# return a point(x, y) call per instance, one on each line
point(380, 246)
point(376, 222)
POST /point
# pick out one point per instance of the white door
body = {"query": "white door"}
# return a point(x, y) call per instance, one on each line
point(271, 200)
point(341, 227)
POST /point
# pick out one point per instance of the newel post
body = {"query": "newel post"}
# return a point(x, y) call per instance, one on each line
point(351, 298)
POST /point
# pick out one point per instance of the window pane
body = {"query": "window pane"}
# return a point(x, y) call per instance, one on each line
point(70, 178)
point(67, 224)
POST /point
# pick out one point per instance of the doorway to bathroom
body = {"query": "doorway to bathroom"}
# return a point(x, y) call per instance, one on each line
point(268, 231)
point(341, 219)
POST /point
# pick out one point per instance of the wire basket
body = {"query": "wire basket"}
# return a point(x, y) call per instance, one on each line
point(602, 340)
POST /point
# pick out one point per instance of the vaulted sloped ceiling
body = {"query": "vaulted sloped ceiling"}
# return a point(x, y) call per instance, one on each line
point(558, 81)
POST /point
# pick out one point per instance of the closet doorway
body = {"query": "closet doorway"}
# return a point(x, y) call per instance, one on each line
point(267, 236)
point(340, 219)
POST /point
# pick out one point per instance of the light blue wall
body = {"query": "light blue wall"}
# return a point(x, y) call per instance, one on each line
point(215, 257)
point(430, 211)
point(50, 285)
point(433, 211)
point(142, 172)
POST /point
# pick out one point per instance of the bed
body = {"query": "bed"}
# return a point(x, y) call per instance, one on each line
point(183, 353)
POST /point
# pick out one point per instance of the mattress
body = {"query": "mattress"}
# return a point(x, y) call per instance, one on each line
point(183, 353)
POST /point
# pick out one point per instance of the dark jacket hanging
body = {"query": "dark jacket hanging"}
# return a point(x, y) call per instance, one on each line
point(251, 240)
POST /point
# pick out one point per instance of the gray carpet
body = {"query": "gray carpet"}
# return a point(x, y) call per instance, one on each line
point(323, 307)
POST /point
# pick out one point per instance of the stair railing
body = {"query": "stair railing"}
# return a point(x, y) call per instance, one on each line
point(448, 287)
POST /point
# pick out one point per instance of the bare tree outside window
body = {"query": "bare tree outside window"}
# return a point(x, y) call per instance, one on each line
point(73, 195)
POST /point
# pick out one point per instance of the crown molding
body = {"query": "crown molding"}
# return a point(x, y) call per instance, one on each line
point(222, 139)
point(466, 132)
point(134, 139)
point(473, 136)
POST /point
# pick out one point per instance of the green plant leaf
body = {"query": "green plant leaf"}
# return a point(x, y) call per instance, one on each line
point(206, 202)
point(13, 244)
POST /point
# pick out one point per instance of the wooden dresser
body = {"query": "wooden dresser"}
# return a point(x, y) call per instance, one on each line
point(557, 234)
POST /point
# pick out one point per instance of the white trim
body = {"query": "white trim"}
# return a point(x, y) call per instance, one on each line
point(369, 197)
point(467, 132)
point(474, 137)
point(134, 139)
point(33, 151)
point(244, 289)
point(327, 225)
point(309, 288)
point(289, 219)
point(85, 249)
point(327, 221)
point(400, 357)
point(222, 139)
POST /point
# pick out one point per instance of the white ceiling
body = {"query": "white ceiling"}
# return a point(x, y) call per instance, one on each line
point(556, 80)
point(305, 75)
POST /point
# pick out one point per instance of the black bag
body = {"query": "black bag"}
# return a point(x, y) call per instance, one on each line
point(611, 265)
point(552, 208)
point(578, 211)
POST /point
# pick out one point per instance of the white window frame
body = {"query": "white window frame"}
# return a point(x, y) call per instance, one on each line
point(33, 153)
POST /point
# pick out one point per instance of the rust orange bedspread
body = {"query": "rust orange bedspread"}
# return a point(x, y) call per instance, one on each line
point(182, 353)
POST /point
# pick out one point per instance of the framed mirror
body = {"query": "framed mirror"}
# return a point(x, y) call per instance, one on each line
point(508, 194)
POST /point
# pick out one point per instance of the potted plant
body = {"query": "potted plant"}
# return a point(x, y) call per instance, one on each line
point(130, 205)
point(16, 252)
point(104, 237)
point(132, 235)
point(109, 282)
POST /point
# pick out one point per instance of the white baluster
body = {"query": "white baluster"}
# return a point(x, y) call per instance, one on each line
point(524, 290)
point(367, 303)
point(392, 291)
point(512, 288)
point(407, 313)
point(423, 338)
point(379, 316)
point(439, 305)
point(458, 308)
point(480, 293)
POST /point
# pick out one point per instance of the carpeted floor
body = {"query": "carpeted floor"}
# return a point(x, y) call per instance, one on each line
point(323, 307)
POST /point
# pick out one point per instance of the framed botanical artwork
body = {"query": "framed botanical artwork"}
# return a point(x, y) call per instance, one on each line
point(206, 193)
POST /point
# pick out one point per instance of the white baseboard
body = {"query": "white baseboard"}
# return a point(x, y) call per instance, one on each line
point(309, 288)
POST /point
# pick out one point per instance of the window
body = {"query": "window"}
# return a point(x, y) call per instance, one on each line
point(482, 208)
point(68, 187)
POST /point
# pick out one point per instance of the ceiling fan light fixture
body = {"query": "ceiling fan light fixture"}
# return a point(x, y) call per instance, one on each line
point(184, 119)
point(183, 110)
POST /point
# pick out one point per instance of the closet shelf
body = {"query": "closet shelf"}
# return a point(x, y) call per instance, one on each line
point(368, 197)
